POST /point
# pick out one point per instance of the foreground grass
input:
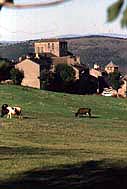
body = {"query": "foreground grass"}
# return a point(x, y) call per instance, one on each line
point(50, 136)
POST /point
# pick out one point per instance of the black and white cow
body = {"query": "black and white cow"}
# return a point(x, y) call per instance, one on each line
point(9, 111)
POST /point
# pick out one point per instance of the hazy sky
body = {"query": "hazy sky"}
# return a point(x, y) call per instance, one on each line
point(73, 17)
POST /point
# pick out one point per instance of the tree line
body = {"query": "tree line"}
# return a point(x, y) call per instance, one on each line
point(8, 71)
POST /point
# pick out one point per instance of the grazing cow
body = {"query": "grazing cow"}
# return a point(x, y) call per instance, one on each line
point(9, 111)
point(83, 111)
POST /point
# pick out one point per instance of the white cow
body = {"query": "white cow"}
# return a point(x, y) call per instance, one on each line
point(9, 111)
point(13, 111)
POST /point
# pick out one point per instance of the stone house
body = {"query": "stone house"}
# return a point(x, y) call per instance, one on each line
point(111, 67)
point(95, 73)
point(31, 71)
point(122, 91)
point(57, 47)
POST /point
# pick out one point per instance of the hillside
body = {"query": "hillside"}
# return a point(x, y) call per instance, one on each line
point(50, 148)
point(13, 51)
point(101, 50)
point(92, 49)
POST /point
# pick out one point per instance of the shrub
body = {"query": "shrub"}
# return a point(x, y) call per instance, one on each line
point(17, 76)
point(4, 70)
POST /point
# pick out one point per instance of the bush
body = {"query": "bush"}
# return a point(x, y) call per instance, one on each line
point(4, 70)
point(17, 76)
point(114, 80)
point(64, 73)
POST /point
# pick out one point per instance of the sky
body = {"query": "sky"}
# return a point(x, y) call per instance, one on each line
point(74, 17)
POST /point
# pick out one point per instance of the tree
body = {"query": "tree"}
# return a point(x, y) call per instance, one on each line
point(114, 80)
point(64, 73)
point(87, 84)
point(16, 75)
point(64, 77)
point(4, 70)
point(114, 11)
point(46, 78)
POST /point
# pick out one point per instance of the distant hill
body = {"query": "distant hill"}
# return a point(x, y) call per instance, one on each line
point(100, 50)
point(13, 51)
point(92, 49)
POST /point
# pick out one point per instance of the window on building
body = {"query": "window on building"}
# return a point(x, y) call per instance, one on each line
point(48, 45)
point(52, 46)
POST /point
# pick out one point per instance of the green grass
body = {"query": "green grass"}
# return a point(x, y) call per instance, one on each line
point(49, 136)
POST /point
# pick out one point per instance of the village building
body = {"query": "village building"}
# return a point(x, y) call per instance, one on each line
point(57, 47)
point(95, 71)
point(111, 67)
point(50, 52)
point(122, 91)
point(31, 71)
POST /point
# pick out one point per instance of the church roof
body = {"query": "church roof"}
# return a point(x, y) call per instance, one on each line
point(111, 64)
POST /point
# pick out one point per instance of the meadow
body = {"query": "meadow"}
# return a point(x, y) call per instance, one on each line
point(49, 147)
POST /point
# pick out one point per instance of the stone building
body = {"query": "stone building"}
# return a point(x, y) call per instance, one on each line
point(57, 47)
point(95, 73)
point(31, 71)
point(111, 67)
point(122, 91)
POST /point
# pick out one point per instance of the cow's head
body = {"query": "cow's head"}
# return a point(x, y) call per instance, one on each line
point(4, 110)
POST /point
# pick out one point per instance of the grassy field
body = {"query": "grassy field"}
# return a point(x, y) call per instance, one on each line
point(50, 143)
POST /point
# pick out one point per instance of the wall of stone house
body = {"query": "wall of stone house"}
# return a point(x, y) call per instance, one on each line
point(66, 60)
point(47, 47)
point(122, 91)
point(31, 73)
point(56, 47)
point(73, 60)
point(124, 86)
point(76, 73)
point(95, 73)
point(59, 60)
point(111, 69)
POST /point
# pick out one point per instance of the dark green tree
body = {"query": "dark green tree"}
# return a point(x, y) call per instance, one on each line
point(64, 73)
point(46, 78)
point(64, 77)
point(114, 80)
point(4, 70)
point(16, 75)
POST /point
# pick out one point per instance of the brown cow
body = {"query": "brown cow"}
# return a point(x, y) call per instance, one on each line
point(83, 111)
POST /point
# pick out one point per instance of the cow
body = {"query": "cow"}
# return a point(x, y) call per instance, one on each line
point(9, 111)
point(83, 111)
